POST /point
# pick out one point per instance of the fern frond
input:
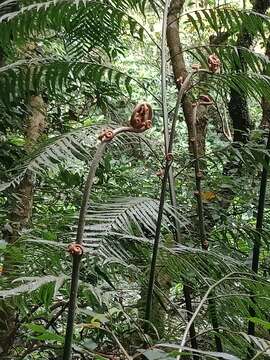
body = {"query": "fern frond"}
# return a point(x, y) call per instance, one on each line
point(72, 147)
point(64, 151)
point(126, 216)
point(232, 58)
point(252, 84)
point(87, 24)
point(227, 18)
point(31, 284)
point(21, 77)
point(194, 263)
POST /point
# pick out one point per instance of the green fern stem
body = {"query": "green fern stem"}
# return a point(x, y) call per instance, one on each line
point(151, 281)
point(149, 298)
point(201, 224)
point(259, 227)
point(172, 187)
point(77, 258)
point(145, 122)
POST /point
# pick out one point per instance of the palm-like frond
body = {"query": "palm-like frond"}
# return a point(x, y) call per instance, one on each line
point(119, 229)
point(243, 70)
point(86, 24)
point(68, 148)
point(230, 19)
point(124, 220)
point(251, 84)
point(126, 216)
point(232, 58)
point(65, 151)
point(196, 264)
point(21, 77)
point(31, 284)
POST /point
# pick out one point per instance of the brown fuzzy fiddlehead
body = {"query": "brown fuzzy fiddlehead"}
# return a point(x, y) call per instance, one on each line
point(214, 63)
point(141, 117)
point(75, 249)
point(169, 157)
point(106, 135)
point(140, 121)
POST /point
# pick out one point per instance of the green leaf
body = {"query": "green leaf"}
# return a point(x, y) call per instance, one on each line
point(257, 321)
point(43, 333)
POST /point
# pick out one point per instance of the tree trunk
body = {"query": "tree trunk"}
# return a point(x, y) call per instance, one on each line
point(265, 122)
point(238, 108)
point(21, 213)
point(180, 72)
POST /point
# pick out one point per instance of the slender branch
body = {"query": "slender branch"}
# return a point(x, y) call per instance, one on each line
point(196, 312)
point(141, 120)
point(151, 282)
point(127, 356)
point(76, 259)
point(163, 76)
point(200, 209)
point(165, 112)
point(259, 228)
point(168, 161)
point(198, 177)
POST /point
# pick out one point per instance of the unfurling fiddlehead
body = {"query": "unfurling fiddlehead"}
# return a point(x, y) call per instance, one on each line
point(141, 120)
point(142, 116)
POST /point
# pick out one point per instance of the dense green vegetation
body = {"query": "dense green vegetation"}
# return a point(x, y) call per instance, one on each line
point(173, 258)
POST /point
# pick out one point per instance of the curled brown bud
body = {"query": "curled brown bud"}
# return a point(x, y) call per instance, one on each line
point(75, 249)
point(148, 124)
point(169, 157)
point(214, 63)
point(106, 135)
point(142, 116)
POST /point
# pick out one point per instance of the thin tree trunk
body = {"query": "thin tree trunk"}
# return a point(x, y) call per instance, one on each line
point(238, 107)
point(35, 125)
point(180, 73)
point(265, 123)
point(201, 222)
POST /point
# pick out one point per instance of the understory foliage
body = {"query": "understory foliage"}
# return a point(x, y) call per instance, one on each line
point(89, 63)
